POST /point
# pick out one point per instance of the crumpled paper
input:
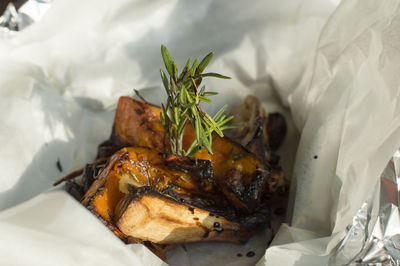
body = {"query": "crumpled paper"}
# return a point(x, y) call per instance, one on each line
point(61, 77)
point(347, 110)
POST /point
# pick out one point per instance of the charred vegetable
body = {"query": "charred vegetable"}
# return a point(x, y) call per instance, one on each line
point(175, 182)
point(239, 173)
point(262, 136)
point(148, 215)
point(144, 189)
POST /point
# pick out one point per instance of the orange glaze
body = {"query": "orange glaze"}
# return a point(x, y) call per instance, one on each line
point(231, 162)
point(147, 167)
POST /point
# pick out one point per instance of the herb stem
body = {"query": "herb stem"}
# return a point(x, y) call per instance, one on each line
point(183, 105)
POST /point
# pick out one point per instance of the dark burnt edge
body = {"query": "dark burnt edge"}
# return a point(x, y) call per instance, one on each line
point(239, 145)
point(257, 220)
point(255, 189)
point(259, 213)
point(256, 143)
point(230, 214)
point(138, 193)
point(259, 184)
point(202, 170)
point(74, 189)
point(90, 199)
point(78, 173)
point(276, 130)
point(88, 175)
point(267, 166)
point(169, 191)
point(274, 159)
point(91, 172)
point(112, 218)
point(169, 194)
point(108, 147)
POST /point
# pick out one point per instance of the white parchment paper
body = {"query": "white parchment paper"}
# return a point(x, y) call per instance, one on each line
point(347, 108)
point(61, 77)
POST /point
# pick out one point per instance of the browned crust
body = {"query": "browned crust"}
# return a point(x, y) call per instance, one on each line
point(145, 215)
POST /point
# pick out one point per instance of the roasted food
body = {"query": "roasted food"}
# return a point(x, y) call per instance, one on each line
point(146, 191)
point(152, 216)
point(262, 135)
point(239, 173)
point(137, 123)
point(145, 194)
point(144, 179)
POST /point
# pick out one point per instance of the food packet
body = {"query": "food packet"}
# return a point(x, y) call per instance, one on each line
point(331, 71)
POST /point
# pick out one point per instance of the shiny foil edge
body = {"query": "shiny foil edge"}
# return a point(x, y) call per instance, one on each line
point(16, 19)
point(374, 236)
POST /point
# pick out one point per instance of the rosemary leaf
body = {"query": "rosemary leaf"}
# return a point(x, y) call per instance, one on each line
point(220, 112)
point(194, 67)
point(169, 64)
point(185, 69)
point(204, 63)
point(209, 93)
point(206, 143)
point(182, 106)
point(165, 81)
point(205, 99)
point(215, 75)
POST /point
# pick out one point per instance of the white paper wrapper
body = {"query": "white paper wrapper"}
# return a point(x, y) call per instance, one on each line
point(61, 77)
point(347, 109)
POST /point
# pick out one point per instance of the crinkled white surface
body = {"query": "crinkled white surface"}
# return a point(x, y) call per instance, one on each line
point(61, 77)
point(347, 107)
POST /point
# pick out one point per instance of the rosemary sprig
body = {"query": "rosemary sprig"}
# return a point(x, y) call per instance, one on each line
point(183, 105)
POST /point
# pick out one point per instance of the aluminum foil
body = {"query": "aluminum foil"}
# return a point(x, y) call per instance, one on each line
point(16, 19)
point(374, 236)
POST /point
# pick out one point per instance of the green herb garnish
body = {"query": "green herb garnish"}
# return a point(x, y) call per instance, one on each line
point(184, 97)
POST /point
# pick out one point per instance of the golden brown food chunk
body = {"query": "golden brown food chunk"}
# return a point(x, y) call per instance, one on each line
point(239, 173)
point(176, 182)
point(137, 124)
point(150, 216)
